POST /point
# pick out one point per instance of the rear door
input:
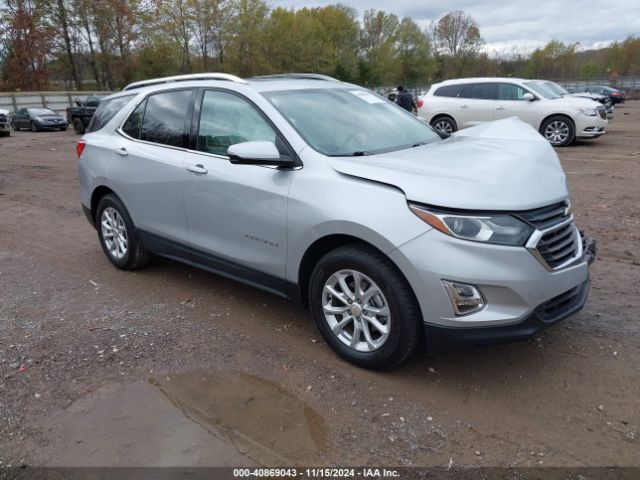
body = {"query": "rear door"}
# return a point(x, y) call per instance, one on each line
point(147, 167)
point(477, 104)
point(511, 104)
point(236, 213)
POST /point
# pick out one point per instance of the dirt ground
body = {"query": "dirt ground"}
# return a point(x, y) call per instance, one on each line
point(174, 366)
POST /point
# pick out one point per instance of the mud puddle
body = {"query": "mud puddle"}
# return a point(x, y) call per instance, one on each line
point(187, 419)
point(258, 417)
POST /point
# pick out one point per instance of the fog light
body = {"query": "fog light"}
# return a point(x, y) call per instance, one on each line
point(465, 298)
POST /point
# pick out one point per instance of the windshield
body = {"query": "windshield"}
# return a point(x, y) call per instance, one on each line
point(557, 89)
point(350, 122)
point(41, 111)
point(541, 88)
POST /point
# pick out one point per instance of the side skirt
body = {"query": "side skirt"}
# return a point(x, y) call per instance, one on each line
point(218, 265)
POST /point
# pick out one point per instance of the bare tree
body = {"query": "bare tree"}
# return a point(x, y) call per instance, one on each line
point(457, 36)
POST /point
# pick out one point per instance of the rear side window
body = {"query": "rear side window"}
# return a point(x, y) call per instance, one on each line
point(164, 118)
point(106, 111)
point(133, 125)
point(482, 91)
point(449, 91)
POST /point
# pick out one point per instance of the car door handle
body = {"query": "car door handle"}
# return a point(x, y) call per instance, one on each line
point(499, 108)
point(464, 106)
point(199, 168)
point(121, 151)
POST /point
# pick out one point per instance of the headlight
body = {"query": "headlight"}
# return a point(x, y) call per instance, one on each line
point(592, 112)
point(497, 229)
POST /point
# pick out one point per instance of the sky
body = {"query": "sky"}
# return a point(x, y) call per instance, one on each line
point(520, 24)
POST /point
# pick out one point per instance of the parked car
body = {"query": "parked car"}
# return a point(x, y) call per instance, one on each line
point(615, 95)
point(38, 119)
point(325, 193)
point(80, 115)
point(4, 123)
point(461, 103)
point(602, 99)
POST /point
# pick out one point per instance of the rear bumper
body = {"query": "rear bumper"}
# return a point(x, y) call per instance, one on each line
point(441, 339)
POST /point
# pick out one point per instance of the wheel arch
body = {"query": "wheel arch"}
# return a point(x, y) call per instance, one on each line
point(99, 192)
point(557, 114)
point(436, 116)
point(326, 244)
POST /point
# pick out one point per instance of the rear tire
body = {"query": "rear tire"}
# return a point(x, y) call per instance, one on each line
point(78, 126)
point(117, 235)
point(444, 124)
point(385, 307)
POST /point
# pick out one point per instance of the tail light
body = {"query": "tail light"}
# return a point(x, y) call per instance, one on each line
point(80, 147)
point(616, 94)
point(420, 103)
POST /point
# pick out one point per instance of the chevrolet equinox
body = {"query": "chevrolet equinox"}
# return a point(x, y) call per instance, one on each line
point(330, 195)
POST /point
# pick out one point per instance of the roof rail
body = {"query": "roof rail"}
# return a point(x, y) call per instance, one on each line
point(185, 78)
point(296, 76)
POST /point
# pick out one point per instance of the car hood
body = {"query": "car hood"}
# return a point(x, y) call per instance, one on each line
point(501, 165)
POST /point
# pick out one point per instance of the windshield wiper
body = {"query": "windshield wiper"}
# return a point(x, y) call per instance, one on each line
point(419, 144)
point(359, 153)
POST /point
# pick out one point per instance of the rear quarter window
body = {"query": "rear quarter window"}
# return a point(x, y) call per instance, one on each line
point(106, 111)
point(449, 91)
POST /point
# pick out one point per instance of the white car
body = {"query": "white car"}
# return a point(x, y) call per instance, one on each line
point(456, 104)
point(4, 123)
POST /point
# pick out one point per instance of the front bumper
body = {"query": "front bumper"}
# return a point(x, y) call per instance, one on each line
point(51, 126)
point(517, 288)
point(445, 339)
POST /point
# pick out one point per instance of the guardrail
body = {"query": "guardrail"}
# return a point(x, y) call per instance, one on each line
point(56, 101)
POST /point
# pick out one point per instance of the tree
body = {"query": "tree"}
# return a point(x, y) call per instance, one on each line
point(26, 39)
point(457, 38)
point(413, 52)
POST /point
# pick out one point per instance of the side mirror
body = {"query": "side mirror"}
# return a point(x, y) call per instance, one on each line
point(528, 97)
point(257, 153)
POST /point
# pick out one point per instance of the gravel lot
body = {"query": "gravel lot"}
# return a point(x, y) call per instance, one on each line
point(174, 366)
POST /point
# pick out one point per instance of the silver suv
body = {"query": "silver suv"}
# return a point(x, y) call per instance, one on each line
point(330, 195)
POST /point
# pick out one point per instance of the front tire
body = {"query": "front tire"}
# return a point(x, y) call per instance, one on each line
point(117, 235)
point(364, 307)
point(15, 127)
point(558, 130)
point(34, 127)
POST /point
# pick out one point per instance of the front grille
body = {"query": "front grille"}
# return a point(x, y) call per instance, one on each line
point(559, 245)
point(563, 305)
point(559, 242)
point(546, 217)
point(3, 117)
point(602, 112)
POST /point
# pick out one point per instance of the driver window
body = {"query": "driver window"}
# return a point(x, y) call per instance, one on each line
point(226, 119)
point(508, 91)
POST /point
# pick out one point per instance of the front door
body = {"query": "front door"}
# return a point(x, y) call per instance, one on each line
point(511, 104)
point(236, 213)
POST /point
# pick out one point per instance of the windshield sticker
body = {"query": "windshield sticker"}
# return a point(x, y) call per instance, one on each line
point(367, 96)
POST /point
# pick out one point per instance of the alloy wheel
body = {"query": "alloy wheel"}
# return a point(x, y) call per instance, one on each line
point(356, 310)
point(443, 126)
point(557, 132)
point(114, 233)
